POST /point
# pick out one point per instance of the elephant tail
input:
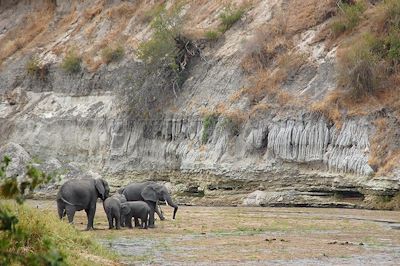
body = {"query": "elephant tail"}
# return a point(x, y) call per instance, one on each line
point(66, 201)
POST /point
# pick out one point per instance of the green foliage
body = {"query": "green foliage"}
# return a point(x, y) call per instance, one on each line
point(359, 70)
point(209, 123)
point(211, 35)
point(230, 16)
point(393, 44)
point(150, 14)
point(110, 54)
point(13, 239)
point(33, 66)
point(71, 63)
point(232, 125)
point(392, 9)
point(349, 18)
point(161, 49)
point(35, 69)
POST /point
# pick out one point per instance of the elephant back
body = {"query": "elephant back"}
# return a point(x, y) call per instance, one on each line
point(133, 192)
point(77, 192)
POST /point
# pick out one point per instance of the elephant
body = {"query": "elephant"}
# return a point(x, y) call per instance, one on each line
point(138, 210)
point(112, 208)
point(151, 193)
point(81, 194)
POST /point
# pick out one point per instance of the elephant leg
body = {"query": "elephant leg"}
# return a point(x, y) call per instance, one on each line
point(70, 210)
point(159, 212)
point(128, 221)
point(152, 206)
point(61, 209)
point(110, 220)
point(137, 224)
point(90, 215)
point(122, 219)
point(144, 223)
point(118, 220)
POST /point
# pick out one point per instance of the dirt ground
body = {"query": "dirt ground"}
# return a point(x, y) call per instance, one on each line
point(253, 236)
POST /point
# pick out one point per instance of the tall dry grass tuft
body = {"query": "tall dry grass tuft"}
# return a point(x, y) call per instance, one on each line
point(31, 27)
point(385, 146)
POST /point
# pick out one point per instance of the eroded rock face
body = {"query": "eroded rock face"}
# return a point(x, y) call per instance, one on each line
point(75, 121)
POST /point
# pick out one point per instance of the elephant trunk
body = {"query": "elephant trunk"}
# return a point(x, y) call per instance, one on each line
point(172, 204)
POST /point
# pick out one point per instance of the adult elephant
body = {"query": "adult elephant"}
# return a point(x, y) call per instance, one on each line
point(151, 193)
point(81, 194)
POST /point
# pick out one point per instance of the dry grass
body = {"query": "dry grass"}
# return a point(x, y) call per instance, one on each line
point(385, 147)
point(330, 107)
point(304, 14)
point(30, 29)
point(259, 109)
point(241, 234)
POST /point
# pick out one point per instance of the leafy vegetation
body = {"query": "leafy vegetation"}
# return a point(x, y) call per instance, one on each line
point(14, 239)
point(160, 50)
point(209, 123)
point(211, 35)
point(166, 56)
point(110, 54)
point(230, 16)
point(32, 237)
point(232, 122)
point(359, 71)
point(350, 16)
point(364, 65)
point(35, 69)
point(71, 63)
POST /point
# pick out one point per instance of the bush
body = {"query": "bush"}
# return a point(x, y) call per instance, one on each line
point(112, 54)
point(393, 44)
point(33, 66)
point(392, 16)
point(209, 123)
point(211, 35)
point(71, 63)
point(161, 50)
point(359, 70)
point(350, 16)
point(32, 237)
point(230, 16)
point(37, 70)
point(232, 124)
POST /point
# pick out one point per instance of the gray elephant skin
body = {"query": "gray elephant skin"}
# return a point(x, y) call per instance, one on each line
point(149, 192)
point(112, 208)
point(81, 194)
point(135, 209)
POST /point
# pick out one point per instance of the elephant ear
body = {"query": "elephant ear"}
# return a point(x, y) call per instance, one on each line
point(100, 188)
point(124, 209)
point(149, 193)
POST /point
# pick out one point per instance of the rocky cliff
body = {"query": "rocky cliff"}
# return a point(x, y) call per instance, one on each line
point(76, 123)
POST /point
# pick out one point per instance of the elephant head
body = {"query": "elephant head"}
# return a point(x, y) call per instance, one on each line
point(102, 188)
point(154, 192)
point(124, 209)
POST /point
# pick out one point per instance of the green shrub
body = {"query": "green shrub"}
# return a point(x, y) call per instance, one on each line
point(359, 70)
point(230, 16)
point(33, 66)
point(211, 35)
point(209, 123)
point(161, 48)
point(392, 16)
point(393, 44)
point(35, 237)
point(349, 18)
point(71, 63)
point(231, 124)
point(112, 54)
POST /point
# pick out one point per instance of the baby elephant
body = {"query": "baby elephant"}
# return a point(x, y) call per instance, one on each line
point(135, 209)
point(112, 207)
